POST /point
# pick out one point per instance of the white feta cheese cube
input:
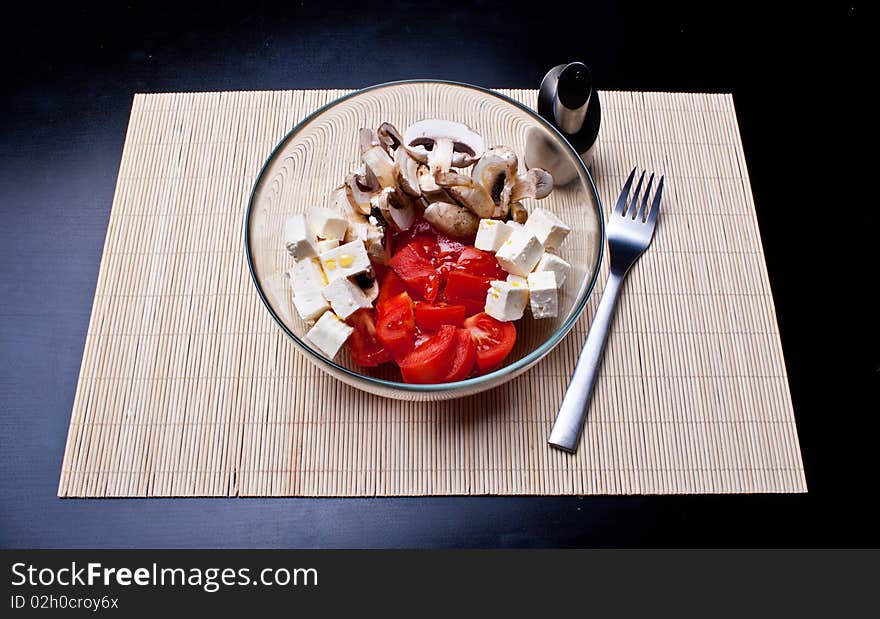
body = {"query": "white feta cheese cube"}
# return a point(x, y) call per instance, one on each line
point(506, 300)
point(520, 253)
point(329, 334)
point(299, 238)
point(513, 225)
point(491, 234)
point(327, 223)
point(549, 229)
point(552, 262)
point(310, 304)
point(517, 281)
point(345, 261)
point(307, 276)
point(542, 294)
point(326, 245)
point(345, 297)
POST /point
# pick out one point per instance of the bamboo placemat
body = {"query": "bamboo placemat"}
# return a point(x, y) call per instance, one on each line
point(188, 388)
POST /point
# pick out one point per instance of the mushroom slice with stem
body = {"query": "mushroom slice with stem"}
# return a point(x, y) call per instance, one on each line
point(496, 171)
point(396, 208)
point(536, 183)
point(429, 187)
point(407, 172)
point(358, 192)
point(443, 144)
point(467, 192)
point(452, 219)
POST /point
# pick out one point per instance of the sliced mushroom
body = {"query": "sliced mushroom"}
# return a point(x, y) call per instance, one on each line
point(536, 183)
point(358, 193)
point(389, 136)
point(452, 219)
point(518, 213)
point(380, 165)
point(467, 192)
point(368, 139)
point(368, 284)
point(496, 171)
point(396, 208)
point(377, 162)
point(407, 172)
point(371, 233)
point(429, 187)
point(443, 144)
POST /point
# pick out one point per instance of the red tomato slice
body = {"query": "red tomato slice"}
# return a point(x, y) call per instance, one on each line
point(448, 247)
point(365, 348)
point(396, 325)
point(465, 289)
point(430, 362)
point(417, 270)
point(390, 286)
point(464, 359)
point(494, 339)
point(420, 229)
point(478, 262)
point(432, 317)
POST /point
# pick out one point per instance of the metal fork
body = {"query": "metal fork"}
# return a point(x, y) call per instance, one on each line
point(630, 230)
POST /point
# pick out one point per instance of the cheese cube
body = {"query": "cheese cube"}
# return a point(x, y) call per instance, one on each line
point(491, 234)
point(299, 238)
point(552, 262)
point(345, 260)
point(326, 245)
point(517, 281)
point(329, 334)
point(542, 294)
point(307, 276)
point(327, 223)
point(506, 300)
point(513, 225)
point(307, 280)
point(345, 297)
point(549, 229)
point(310, 304)
point(520, 253)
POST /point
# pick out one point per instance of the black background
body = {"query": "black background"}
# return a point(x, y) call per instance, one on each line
point(799, 80)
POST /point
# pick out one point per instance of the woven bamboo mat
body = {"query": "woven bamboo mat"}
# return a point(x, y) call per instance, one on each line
point(188, 388)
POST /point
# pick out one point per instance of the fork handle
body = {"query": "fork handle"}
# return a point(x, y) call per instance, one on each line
point(569, 423)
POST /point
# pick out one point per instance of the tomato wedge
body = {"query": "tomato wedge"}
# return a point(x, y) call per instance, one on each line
point(479, 262)
point(464, 359)
point(396, 325)
point(494, 340)
point(416, 270)
point(390, 286)
point(465, 289)
point(432, 317)
point(447, 247)
point(365, 348)
point(430, 362)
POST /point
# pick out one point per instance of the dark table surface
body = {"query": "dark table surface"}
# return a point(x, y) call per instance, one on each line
point(68, 80)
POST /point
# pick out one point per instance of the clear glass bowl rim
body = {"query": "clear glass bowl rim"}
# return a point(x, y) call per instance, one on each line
point(525, 361)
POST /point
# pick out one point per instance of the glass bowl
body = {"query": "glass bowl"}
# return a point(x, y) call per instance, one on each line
point(313, 159)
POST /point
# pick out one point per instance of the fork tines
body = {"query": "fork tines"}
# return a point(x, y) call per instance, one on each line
point(630, 209)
